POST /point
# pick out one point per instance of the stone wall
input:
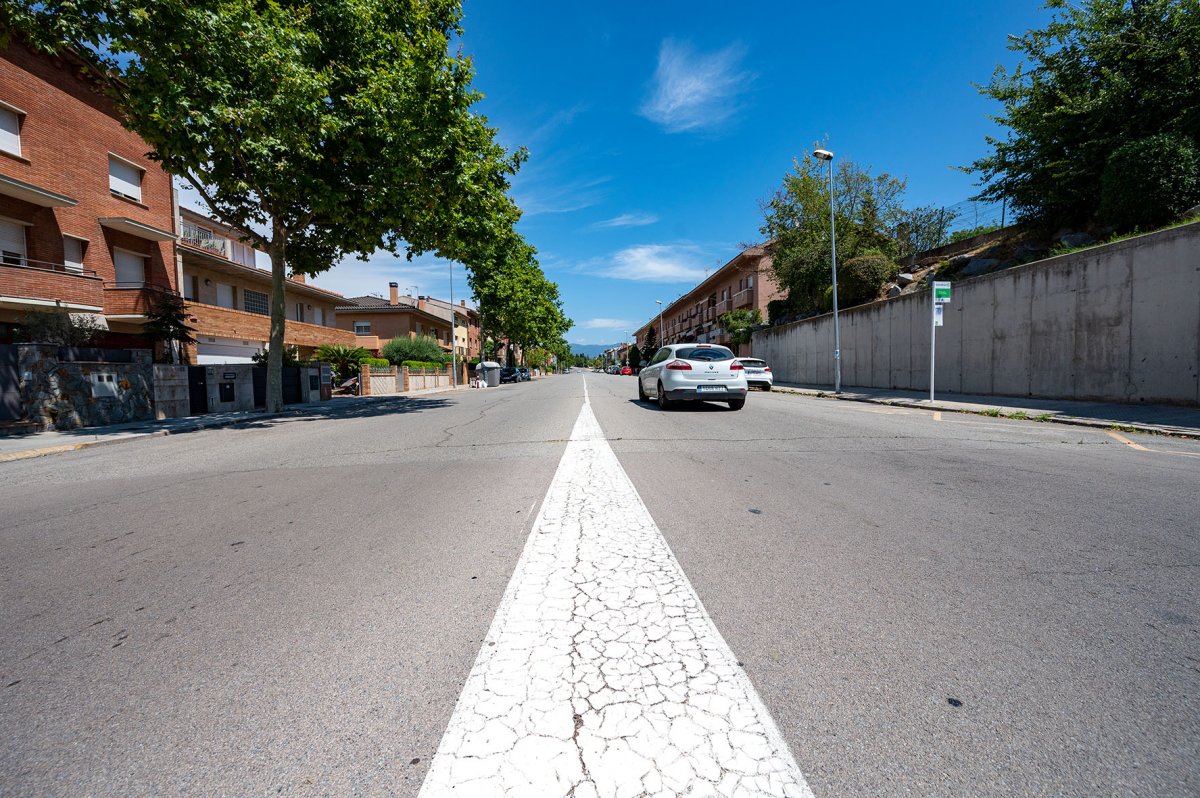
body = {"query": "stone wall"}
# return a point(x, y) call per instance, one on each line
point(62, 395)
point(1117, 323)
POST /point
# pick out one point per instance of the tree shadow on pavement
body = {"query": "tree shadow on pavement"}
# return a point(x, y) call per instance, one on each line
point(349, 409)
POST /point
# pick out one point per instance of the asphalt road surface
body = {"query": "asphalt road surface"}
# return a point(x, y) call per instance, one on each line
point(923, 604)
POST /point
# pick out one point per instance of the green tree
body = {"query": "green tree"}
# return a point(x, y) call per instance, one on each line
point(633, 358)
point(739, 325)
point(167, 322)
point(1150, 181)
point(650, 348)
point(1101, 74)
point(423, 347)
point(58, 327)
point(868, 215)
point(344, 360)
point(321, 129)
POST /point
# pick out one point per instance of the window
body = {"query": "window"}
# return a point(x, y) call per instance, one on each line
point(12, 243)
point(255, 302)
point(191, 287)
point(124, 179)
point(225, 295)
point(131, 268)
point(705, 353)
point(750, 282)
point(73, 254)
point(299, 311)
point(362, 328)
point(318, 317)
point(10, 131)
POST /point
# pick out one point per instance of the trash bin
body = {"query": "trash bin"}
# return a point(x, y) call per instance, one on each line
point(491, 373)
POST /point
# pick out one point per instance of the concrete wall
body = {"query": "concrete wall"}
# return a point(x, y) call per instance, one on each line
point(171, 398)
point(1118, 323)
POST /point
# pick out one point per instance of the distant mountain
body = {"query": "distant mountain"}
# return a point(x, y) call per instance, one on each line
point(590, 350)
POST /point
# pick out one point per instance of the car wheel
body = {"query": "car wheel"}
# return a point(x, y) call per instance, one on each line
point(642, 391)
point(766, 386)
point(663, 402)
point(737, 404)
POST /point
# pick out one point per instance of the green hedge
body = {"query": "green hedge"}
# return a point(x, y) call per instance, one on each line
point(375, 361)
point(423, 364)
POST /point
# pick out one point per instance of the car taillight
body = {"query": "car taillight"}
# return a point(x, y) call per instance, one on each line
point(736, 366)
point(679, 365)
point(766, 368)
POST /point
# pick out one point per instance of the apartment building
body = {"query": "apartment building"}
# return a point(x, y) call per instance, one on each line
point(87, 221)
point(374, 321)
point(227, 294)
point(467, 332)
point(746, 281)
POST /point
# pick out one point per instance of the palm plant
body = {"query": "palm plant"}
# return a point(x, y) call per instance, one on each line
point(344, 360)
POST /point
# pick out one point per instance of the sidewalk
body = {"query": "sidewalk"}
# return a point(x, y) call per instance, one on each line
point(1154, 419)
point(38, 444)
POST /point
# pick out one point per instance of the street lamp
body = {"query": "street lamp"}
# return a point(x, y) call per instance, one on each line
point(826, 155)
point(661, 341)
point(453, 327)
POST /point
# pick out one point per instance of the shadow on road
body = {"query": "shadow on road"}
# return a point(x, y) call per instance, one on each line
point(367, 407)
point(714, 406)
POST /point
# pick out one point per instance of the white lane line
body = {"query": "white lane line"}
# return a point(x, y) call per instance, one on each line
point(602, 675)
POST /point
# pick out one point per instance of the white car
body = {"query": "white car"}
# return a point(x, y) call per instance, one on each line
point(693, 373)
point(758, 372)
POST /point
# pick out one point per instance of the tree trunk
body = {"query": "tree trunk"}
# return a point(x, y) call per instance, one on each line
point(278, 252)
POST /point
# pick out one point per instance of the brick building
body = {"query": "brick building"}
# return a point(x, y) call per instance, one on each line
point(374, 321)
point(228, 298)
point(87, 221)
point(466, 327)
point(744, 282)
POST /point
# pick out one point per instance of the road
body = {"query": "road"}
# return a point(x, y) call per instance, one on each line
point(924, 605)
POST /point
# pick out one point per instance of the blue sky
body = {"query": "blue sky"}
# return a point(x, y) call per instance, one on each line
point(654, 128)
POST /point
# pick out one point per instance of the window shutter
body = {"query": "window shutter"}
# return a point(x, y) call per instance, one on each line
point(73, 254)
point(131, 269)
point(12, 244)
point(124, 179)
point(10, 131)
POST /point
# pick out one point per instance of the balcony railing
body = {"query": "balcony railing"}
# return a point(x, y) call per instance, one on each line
point(31, 263)
point(203, 239)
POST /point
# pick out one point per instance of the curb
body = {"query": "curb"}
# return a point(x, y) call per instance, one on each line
point(1074, 421)
point(26, 454)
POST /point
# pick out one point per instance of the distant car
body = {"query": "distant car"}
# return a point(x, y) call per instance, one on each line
point(693, 373)
point(524, 372)
point(626, 371)
point(758, 373)
point(509, 374)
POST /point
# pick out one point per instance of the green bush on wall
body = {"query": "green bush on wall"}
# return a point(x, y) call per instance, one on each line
point(423, 364)
point(375, 361)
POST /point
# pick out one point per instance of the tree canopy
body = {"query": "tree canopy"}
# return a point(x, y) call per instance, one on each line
point(869, 217)
point(1102, 74)
point(322, 130)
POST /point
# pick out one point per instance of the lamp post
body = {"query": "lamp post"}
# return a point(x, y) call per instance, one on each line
point(453, 327)
point(661, 340)
point(827, 156)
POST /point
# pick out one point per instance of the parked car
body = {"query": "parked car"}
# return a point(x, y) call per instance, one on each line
point(758, 373)
point(693, 373)
point(524, 372)
point(509, 374)
point(626, 371)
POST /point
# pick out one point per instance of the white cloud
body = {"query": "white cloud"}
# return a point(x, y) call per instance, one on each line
point(692, 90)
point(627, 220)
point(606, 324)
point(428, 274)
point(656, 263)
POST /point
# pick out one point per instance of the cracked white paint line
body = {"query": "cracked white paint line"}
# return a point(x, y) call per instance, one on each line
point(602, 675)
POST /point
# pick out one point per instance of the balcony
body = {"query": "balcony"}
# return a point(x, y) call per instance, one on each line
point(132, 300)
point(203, 239)
point(33, 283)
point(744, 298)
point(219, 322)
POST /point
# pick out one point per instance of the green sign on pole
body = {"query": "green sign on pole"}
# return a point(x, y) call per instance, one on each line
point(941, 291)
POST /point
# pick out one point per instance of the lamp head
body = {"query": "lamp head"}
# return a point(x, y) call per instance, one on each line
point(823, 155)
point(658, 301)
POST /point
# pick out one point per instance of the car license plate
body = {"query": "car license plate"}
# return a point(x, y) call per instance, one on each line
point(710, 388)
point(754, 371)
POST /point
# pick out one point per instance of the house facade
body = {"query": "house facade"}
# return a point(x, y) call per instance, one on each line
point(228, 298)
point(466, 325)
point(87, 221)
point(373, 321)
point(745, 282)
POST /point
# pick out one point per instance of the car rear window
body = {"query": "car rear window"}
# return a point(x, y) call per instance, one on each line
point(749, 361)
point(705, 353)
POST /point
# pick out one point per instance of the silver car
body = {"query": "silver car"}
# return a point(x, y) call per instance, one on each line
point(693, 373)
point(758, 372)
